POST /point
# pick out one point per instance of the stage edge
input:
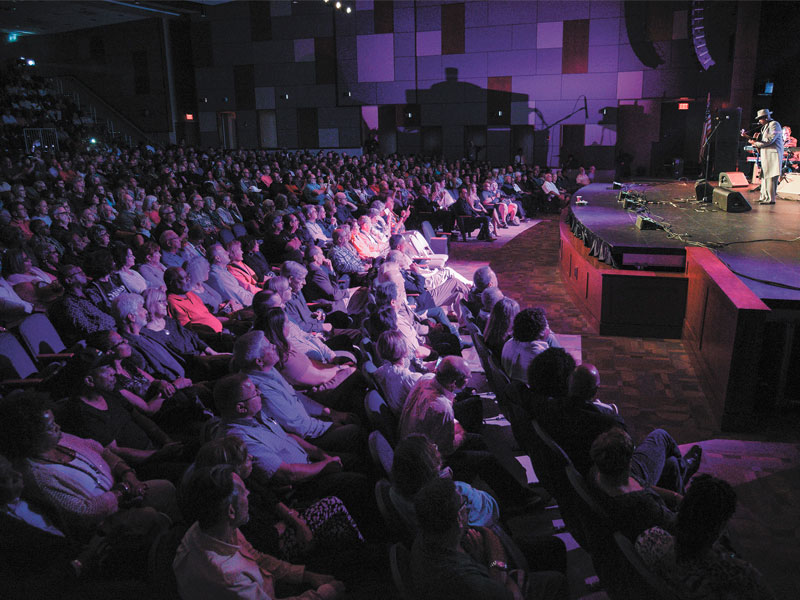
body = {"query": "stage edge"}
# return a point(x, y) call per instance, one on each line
point(723, 330)
point(621, 302)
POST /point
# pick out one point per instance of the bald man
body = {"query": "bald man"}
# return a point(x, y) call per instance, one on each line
point(583, 385)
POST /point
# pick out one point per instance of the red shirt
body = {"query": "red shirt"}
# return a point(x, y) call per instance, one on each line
point(190, 309)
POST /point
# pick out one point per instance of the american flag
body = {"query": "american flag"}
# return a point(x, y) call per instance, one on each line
point(706, 127)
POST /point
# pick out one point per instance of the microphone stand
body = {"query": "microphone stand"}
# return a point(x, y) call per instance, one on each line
point(547, 127)
point(707, 150)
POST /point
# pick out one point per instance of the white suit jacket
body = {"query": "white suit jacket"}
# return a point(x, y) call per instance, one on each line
point(771, 148)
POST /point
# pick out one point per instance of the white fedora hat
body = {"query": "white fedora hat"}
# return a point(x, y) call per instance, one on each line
point(764, 113)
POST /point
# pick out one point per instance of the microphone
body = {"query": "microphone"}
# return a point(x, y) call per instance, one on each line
point(585, 109)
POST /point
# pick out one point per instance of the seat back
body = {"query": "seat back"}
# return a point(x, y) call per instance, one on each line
point(483, 355)
point(400, 565)
point(640, 581)
point(499, 379)
point(380, 415)
point(226, 235)
point(513, 407)
point(550, 464)
point(427, 231)
point(15, 362)
point(396, 525)
point(466, 311)
point(368, 371)
point(39, 335)
point(159, 562)
point(239, 230)
point(381, 451)
point(594, 521)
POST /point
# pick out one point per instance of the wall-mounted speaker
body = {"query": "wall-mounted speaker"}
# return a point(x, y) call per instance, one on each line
point(730, 201)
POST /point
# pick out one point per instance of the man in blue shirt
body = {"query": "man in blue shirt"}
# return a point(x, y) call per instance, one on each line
point(255, 356)
point(285, 457)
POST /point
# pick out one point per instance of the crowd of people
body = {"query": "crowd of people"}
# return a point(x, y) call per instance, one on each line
point(220, 307)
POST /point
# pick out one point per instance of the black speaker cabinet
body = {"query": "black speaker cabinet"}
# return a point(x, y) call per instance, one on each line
point(726, 139)
point(730, 201)
point(703, 189)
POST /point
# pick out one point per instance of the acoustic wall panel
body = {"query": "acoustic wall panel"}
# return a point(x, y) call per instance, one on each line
point(375, 57)
point(304, 50)
point(511, 62)
point(629, 85)
point(487, 39)
point(575, 56)
point(604, 32)
point(550, 35)
point(523, 36)
point(429, 43)
point(429, 16)
point(383, 13)
point(603, 59)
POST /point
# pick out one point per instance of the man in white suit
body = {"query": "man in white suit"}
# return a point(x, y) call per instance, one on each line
point(770, 145)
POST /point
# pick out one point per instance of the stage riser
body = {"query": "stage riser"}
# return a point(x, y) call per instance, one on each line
point(628, 303)
point(723, 330)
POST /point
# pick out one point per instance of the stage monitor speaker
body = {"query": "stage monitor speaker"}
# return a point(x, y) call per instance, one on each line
point(703, 189)
point(733, 179)
point(790, 184)
point(646, 223)
point(730, 201)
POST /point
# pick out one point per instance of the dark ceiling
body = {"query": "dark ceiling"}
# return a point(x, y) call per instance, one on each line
point(31, 17)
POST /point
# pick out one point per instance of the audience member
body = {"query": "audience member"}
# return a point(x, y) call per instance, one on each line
point(695, 557)
point(215, 560)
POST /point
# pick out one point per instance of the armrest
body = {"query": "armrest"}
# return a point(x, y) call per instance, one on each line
point(48, 358)
point(17, 383)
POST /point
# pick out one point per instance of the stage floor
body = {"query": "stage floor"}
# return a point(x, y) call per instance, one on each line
point(761, 244)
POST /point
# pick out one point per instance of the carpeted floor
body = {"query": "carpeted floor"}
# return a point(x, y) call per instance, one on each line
point(654, 384)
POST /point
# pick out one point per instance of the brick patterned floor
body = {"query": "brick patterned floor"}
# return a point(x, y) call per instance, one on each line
point(654, 384)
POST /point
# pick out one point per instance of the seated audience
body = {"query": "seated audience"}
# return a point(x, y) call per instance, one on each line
point(78, 479)
point(489, 297)
point(431, 410)
point(214, 560)
point(30, 283)
point(482, 278)
point(335, 385)
point(223, 281)
point(416, 463)
point(696, 558)
point(105, 285)
point(322, 283)
point(124, 261)
point(74, 315)
point(394, 377)
point(150, 266)
point(256, 356)
point(441, 570)
point(499, 324)
point(160, 361)
point(185, 306)
point(286, 458)
point(246, 276)
point(530, 336)
point(323, 533)
point(625, 480)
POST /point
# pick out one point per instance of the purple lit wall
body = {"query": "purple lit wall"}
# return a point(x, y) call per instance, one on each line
point(442, 57)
